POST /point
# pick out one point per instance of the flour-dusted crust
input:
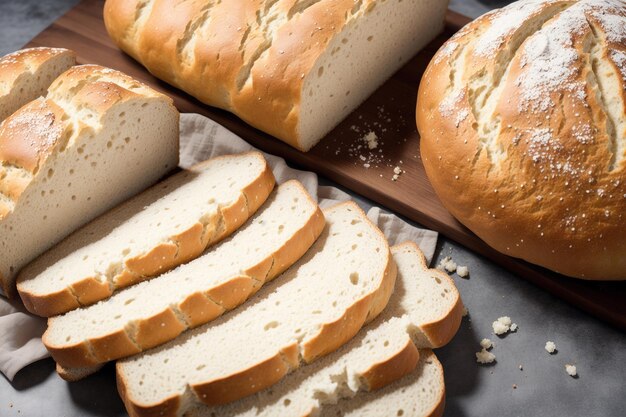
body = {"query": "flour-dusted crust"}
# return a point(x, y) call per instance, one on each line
point(522, 117)
point(27, 73)
point(48, 142)
point(292, 68)
point(165, 254)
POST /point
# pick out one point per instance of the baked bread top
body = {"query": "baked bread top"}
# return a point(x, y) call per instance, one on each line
point(522, 117)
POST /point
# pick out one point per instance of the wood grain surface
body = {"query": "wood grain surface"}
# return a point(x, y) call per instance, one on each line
point(390, 113)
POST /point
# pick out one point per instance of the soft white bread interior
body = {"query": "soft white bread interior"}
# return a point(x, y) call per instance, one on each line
point(96, 139)
point(424, 312)
point(26, 74)
point(165, 226)
point(292, 68)
point(316, 306)
point(156, 311)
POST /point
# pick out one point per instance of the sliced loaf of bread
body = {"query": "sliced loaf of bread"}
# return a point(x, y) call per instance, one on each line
point(27, 74)
point(320, 303)
point(96, 139)
point(423, 312)
point(156, 311)
point(165, 226)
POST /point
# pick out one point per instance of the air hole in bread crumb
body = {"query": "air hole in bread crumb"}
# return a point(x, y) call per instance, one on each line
point(287, 402)
point(271, 325)
point(200, 367)
point(354, 278)
point(129, 301)
point(50, 173)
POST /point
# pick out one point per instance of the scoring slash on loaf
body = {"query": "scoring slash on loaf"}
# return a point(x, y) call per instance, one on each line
point(156, 311)
point(292, 68)
point(423, 312)
point(27, 74)
point(170, 224)
point(343, 282)
point(96, 139)
point(531, 99)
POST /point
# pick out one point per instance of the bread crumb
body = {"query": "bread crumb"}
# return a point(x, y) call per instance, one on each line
point(514, 386)
point(502, 325)
point(447, 264)
point(485, 357)
point(371, 139)
point(571, 370)
point(395, 177)
point(462, 271)
point(465, 311)
point(486, 344)
point(521, 368)
point(514, 327)
point(397, 170)
point(550, 347)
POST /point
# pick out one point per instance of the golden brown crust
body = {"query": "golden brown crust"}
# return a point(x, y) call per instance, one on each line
point(531, 168)
point(28, 137)
point(76, 374)
point(246, 382)
point(392, 369)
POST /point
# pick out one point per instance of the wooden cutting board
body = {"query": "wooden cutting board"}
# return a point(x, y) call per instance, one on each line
point(389, 113)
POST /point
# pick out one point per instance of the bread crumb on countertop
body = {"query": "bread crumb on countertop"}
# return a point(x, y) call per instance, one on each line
point(447, 264)
point(550, 347)
point(462, 271)
point(502, 325)
point(571, 370)
point(485, 357)
point(486, 343)
point(465, 311)
point(371, 139)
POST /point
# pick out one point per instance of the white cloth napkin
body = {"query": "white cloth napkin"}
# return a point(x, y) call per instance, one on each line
point(200, 139)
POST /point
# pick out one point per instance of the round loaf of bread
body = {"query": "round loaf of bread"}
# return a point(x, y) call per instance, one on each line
point(522, 117)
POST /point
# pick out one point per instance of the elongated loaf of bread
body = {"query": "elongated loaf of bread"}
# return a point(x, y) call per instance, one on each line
point(292, 68)
point(172, 223)
point(158, 310)
point(96, 139)
point(343, 282)
point(423, 312)
point(522, 117)
point(26, 75)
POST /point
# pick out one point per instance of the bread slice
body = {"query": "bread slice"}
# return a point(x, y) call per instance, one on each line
point(420, 394)
point(423, 312)
point(27, 74)
point(293, 69)
point(320, 303)
point(156, 311)
point(96, 139)
point(163, 227)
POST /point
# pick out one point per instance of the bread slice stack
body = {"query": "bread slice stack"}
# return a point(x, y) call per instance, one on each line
point(424, 312)
point(170, 224)
point(27, 74)
point(343, 282)
point(97, 138)
point(158, 310)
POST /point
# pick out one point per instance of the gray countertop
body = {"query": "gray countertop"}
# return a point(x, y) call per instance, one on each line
point(542, 387)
